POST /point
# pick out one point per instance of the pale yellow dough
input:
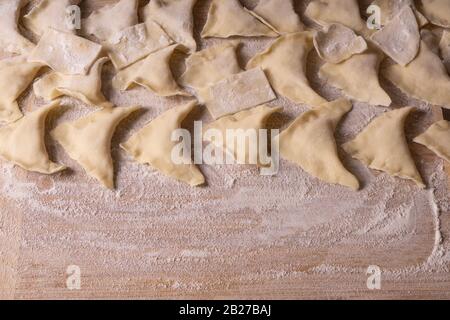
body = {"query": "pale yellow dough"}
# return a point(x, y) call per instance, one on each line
point(425, 78)
point(253, 119)
point(153, 146)
point(111, 19)
point(65, 53)
point(383, 146)
point(358, 78)
point(284, 63)
point(23, 142)
point(230, 18)
point(400, 37)
point(280, 14)
point(391, 8)
point(437, 11)
point(437, 139)
point(238, 92)
point(176, 18)
point(10, 38)
point(49, 14)
point(444, 46)
point(309, 142)
point(153, 73)
point(136, 42)
point(16, 74)
point(86, 88)
point(88, 141)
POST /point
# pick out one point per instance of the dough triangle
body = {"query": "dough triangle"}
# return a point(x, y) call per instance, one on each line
point(176, 18)
point(284, 63)
point(390, 9)
point(253, 119)
point(86, 88)
point(309, 142)
point(23, 142)
point(437, 11)
point(153, 73)
point(437, 139)
point(16, 74)
point(230, 18)
point(414, 79)
point(383, 146)
point(153, 145)
point(88, 141)
point(357, 77)
point(10, 38)
point(280, 14)
point(123, 13)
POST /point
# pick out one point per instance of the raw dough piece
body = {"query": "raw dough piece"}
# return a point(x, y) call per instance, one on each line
point(444, 46)
point(23, 142)
point(10, 38)
point(400, 38)
point(230, 18)
point(284, 63)
point(49, 14)
point(345, 12)
point(16, 74)
point(239, 92)
point(437, 11)
point(88, 141)
point(136, 42)
point(65, 52)
point(357, 77)
point(338, 43)
point(383, 146)
point(425, 78)
point(280, 14)
point(123, 15)
point(209, 66)
point(253, 119)
point(153, 145)
point(391, 8)
point(176, 18)
point(153, 73)
point(309, 142)
point(86, 88)
point(437, 139)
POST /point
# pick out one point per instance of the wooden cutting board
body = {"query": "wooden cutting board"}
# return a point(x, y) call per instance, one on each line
point(234, 239)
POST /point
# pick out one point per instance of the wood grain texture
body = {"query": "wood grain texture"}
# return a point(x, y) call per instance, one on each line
point(175, 251)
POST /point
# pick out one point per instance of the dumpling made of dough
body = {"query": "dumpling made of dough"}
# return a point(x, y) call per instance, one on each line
point(209, 66)
point(338, 43)
point(136, 42)
point(390, 9)
point(229, 18)
point(86, 88)
point(16, 74)
point(253, 119)
point(444, 46)
point(88, 141)
point(280, 14)
point(310, 143)
point(425, 78)
point(10, 38)
point(176, 18)
point(49, 14)
point(437, 139)
point(437, 11)
point(284, 63)
point(65, 53)
point(23, 142)
point(153, 146)
point(358, 78)
point(345, 12)
point(124, 14)
point(383, 146)
point(153, 73)
point(400, 38)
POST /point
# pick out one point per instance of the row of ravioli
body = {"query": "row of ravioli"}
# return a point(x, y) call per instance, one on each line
point(141, 54)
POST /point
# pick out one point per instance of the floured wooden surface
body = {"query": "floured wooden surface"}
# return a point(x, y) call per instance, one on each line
point(242, 236)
